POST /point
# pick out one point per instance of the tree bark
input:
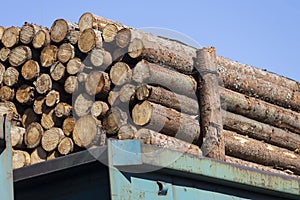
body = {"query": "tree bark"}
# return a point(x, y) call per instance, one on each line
point(27, 33)
point(65, 52)
point(71, 84)
point(149, 73)
point(51, 138)
point(74, 66)
point(10, 36)
point(20, 159)
point(38, 155)
point(57, 71)
point(82, 105)
point(68, 126)
point(114, 119)
point(168, 98)
point(33, 135)
point(98, 83)
point(4, 54)
point(63, 109)
point(41, 39)
point(52, 98)
point(43, 84)
point(99, 109)
point(123, 37)
point(167, 121)
point(19, 55)
point(255, 151)
point(60, 29)
point(30, 70)
point(25, 94)
point(89, 39)
point(11, 76)
point(120, 73)
point(48, 55)
point(66, 146)
point(6, 93)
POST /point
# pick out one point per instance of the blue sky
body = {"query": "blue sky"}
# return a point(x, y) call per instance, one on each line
point(262, 33)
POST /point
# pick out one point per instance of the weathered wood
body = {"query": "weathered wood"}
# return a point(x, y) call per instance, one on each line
point(66, 146)
point(38, 155)
point(82, 77)
point(19, 55)
point(11, 76)
point(86, 131)
point(6, 93)
point(210, 105)
point(120, 73)
point(10, 36)
point(48, 119)
point(51, 138)
point(25, 94)
point(149, 73)
point(20, 159)
point(109, 33)
point(68, 126)
point(162, 51)
point(114, 119)
point(38, 104)
point(66, 51)
point(99, 109)
point(2, 70)
point(100, 58)
point(30, 70)
point(74, 66)
point(9, 109)
point(52, 98)
point(63, 109)
point(97, 83)
point(2, 29)
point(57, 71)
point(82, 104)
point(259, 152)
point(73, 36)
point(113, 98)
point(43, 84)
point(123, 37)
point(41, 38)
point(60, 29)
point(17, 135)
point(27, 33)
point(4, 54)
point(260, 110)
point(126, 93)
point(89, 39)
point(71, 84)
point(28, 117)
point(33, 135)
point(48, 55)
point(260, 131)
point(168, 98)
point(167, 121)
point(127, 132)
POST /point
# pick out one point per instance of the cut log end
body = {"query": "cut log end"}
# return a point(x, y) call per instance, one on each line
point(89, 39)
point(65, 146)
point(68, 126)
point(120, 73)
point(33, 135)
point(30, 70)
point(51, 138)
point(109, 33)
point(48, 55)
point(123, 37)
point(135, 48)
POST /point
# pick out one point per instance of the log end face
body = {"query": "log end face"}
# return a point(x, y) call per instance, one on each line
point(141, 113)
point(135, 48)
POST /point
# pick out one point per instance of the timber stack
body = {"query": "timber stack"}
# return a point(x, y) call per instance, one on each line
point(74, 85)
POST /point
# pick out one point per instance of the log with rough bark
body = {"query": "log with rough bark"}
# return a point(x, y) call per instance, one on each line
point(120, 73)
point(260, 131)
point(66, 146)
point(98, 83)
point(100, 58)
point(17, 135)
point(25, 94)
point(48, 55)
point(126, 93)
point(6, 93)
point(33, 135)
point(57, 71)
point(10, 76)
point(123, 37)
point(167, 98)
point(52, 98)
point(68, 126)
point(162, 51)
point(82, 105)
point(19, 55)
point(167, 121)
point(89, 39)
point(114, 119)
point(259, 152)
point(60, 29)
point(99, 109)
point(20, 159)
point(51, 138)
point(10, 37)
point(261, 111)
point(74, 66)
point(149, 73)
point(38, 104)
point(43, 84)
point(30, 70)
point(41, 38)
point(109, 33)
point(71, 84)
point(27, 33)
point(48, 119)
point(66, 51)
point(38, 155)
point(28, 117)
point(210, 105)
point(63, 109)
point(4, 54)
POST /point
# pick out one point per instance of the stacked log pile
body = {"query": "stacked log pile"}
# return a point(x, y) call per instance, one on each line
point(74, 85)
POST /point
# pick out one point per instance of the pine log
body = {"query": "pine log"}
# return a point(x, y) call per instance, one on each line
point(10, 36)
point(71, 84)
point(256, 151)
point(66, 146)
point(162, 51)
point(82, 105)
point(43, 84)
point(74, 66)
point(33, 135)
point(109, 33)
point(41, 38)
point(68, 126)
point(48, 119)
point(17, 135)
point(145, 72)
point(100, 58)
point(30, 70)
point(89, 39)
point(120, 73)
point(65, 52)
point(4, 54)
point(114, 119)
point(97, 83)
point(19, 55)
point(52, 98)
point(20, 159)
point(38, 104)
point(51, 138)
point(99, 109)
point(38, 155)
point(25, 94)
point(113, 98)
point(126, 93)
point(261, 131)
point(48, 55)
point(57, 71)
point(11, 76)
point(63, 109)
point(27, 33)
point(167, 121)
point(86, 131)
point(2, 29)
point(73, 36)
point(52, 155)
point(167, 98)
point(82, 77)
point(6, 93)
point(123, 37)
point(261, 111)
point(28, 117)
point(60, 29)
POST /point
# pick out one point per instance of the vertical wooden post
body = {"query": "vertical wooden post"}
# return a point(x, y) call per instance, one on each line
point(210, 107)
